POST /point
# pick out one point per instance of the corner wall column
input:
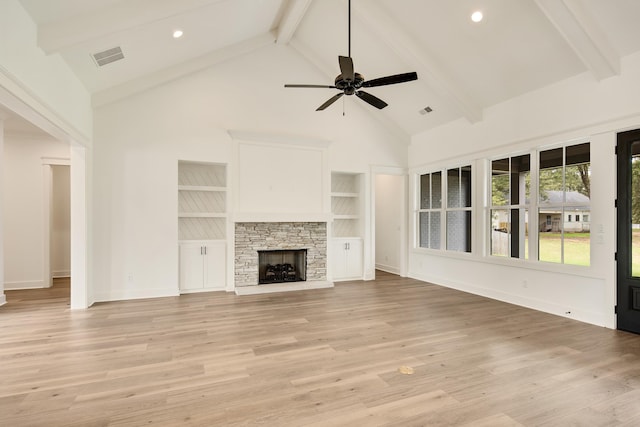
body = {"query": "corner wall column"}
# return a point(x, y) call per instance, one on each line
point(3, 298)
point(79, 291)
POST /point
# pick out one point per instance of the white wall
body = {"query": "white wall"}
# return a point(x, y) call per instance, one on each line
point(60, 222)
point(3, 298)
point(44, 82)
point(138, 142)
point(389, 199)
point(578, 108)
point(24, 209)
point(42, 89)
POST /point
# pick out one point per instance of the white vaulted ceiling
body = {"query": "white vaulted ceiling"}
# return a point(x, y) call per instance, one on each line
point(463, 67)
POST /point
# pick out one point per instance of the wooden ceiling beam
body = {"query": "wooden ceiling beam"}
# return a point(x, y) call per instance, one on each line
point(429, 71)
point(58, 36)
point(291, 19)
point(586, 38)
point(163, 76)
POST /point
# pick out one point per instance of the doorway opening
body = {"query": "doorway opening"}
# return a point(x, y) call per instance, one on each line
point(389, 235)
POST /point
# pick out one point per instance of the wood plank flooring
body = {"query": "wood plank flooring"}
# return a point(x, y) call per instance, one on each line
point(325, 357)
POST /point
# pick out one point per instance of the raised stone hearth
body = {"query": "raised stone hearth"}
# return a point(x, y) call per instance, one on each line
point(251, 237)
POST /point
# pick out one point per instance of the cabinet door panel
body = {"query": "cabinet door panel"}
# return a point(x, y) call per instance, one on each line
point(214, 266)
point(354, 258)
point(346, 256)
point(338, 259)
point(191, 270)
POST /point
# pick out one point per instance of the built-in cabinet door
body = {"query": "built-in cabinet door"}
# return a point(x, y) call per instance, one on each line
point(191, 269)
point(354, 258)
point(346, 258)
point(214, 265)
point(202, 266)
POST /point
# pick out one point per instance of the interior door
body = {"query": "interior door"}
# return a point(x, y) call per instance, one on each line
point(628, 242)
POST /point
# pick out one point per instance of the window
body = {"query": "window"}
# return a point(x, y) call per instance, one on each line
point(459, 209)
point(444, 212)
point(510, 188)
point(565, 192)
point(549, 222)
point(430, 210)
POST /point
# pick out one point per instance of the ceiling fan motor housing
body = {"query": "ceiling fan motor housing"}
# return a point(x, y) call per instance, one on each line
point(349, 87)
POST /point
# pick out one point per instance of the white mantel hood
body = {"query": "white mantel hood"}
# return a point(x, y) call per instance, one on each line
point(281, 217)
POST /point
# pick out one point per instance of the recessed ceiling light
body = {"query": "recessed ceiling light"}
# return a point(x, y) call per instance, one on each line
point(476, 16)
point(177, 34)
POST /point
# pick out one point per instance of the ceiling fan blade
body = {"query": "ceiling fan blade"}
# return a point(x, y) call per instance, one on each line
point(311, 86)
point(330, 101)
point(346, 68)
point(373, 100)
point(391, 80)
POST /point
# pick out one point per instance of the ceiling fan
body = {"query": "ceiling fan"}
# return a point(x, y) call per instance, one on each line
point(349, 82)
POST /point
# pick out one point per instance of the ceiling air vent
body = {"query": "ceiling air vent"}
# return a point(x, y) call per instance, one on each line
point(108, 56)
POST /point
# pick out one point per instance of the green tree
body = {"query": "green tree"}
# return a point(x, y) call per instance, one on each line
point(576, 178)
point(635, 190)
point(500, 189)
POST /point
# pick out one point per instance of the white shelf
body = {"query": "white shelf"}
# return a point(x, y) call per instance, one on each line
point(200, 188)
point(346, 216)
point(346, 191)
point(201, 215)
point(202, 201)
point(345, 194)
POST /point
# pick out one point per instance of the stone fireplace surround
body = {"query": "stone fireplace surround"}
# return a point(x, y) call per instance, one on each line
point(251, 237)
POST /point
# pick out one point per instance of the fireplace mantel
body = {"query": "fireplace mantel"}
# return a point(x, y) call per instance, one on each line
point(251, 237)
point(280, 217)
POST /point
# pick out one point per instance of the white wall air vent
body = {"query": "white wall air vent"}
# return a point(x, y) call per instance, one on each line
point(108, 56)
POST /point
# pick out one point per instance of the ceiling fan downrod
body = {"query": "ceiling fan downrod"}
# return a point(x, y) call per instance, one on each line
point(349, 29)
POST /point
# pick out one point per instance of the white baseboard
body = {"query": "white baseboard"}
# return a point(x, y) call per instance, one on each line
point(27, 284)
point(388, 268)
point(3, 299)
point(61, 274)
point(523, 301)
point(124, 294)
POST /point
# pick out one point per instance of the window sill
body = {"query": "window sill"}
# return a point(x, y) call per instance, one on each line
point(574, 270)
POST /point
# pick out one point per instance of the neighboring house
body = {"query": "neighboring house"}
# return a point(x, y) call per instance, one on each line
point(550, 216)
point(576, 218)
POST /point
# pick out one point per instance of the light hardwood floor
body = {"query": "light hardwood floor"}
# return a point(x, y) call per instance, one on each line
point(321, 358)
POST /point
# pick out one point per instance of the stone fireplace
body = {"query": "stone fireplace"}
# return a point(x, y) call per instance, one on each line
point(251, 238)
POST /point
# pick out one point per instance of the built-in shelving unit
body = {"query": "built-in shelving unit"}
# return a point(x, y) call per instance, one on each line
point(202, 201)
point(202, 225)
point(346, 241)
point(345, 204)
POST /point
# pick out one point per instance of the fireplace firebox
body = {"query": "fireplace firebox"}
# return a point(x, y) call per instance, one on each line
point(280, 266)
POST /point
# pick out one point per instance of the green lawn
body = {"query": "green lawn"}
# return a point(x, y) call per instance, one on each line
point(577, 248)
point(635, 253)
